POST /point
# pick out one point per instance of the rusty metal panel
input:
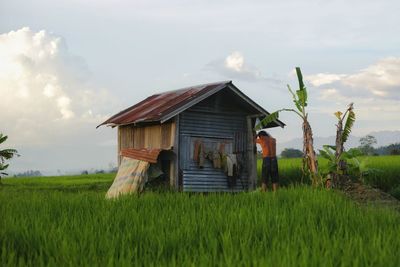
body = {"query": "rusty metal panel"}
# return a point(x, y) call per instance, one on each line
point(157, 106)
point(149, 155)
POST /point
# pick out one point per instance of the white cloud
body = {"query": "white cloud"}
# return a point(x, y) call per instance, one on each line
point(234, 66)
point(46, 93)
point(381, 79)
point(375, 91)
point(330, 93)
point(235, 62)
point(324, 78)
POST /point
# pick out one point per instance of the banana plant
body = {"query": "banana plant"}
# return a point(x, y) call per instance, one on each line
point(356, 166)
point(342, 134)
point(300, 99)
point(5, 154)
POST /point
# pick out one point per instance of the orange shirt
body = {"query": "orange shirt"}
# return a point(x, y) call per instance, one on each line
point(268, 145)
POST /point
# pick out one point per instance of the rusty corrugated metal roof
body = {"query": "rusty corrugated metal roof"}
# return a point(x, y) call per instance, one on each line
point(157, 106)
point(161, 107)
point(149, 155)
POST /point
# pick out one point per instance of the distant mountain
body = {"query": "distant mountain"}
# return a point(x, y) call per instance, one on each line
point(384, 138)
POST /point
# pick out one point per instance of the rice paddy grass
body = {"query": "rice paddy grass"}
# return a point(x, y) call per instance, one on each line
point(66, 221)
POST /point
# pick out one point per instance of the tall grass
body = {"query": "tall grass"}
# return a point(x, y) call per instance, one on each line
point(385, 174)
point(293, 227)
point(290, 171)
point(61, 183)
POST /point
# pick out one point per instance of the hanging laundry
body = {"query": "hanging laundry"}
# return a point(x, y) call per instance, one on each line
point(231, 169)
point(231, 163)
point(216, 160)
point(196, 151)
point(199, 153)
point(222, 148)
point(223, 162)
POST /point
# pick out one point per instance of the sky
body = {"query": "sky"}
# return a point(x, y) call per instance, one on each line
point(66, 66)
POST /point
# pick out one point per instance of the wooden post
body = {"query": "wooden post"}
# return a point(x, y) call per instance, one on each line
point(251, 158)
point(175, 178)
point(119, 146)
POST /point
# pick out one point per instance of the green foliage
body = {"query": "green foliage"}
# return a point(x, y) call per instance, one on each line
point(383, 170)
point(302, 92)
point(388, 177)
point(5, 154)
point(291, 153)
point(351, 117)
point(328, 152)
point(355, 152)
point(293, 227)
point(299, 99)
point(395, 192)
point(274, 116)
point(392, 149)
point(300, 78)
point(366, 144)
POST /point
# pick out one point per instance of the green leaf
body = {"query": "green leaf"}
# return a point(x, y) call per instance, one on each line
point(329, 147)
point(351, 117)
point(327, 153)
point(324, 154)
point(3, 138)
point(8, 153)
point(291, 91)
point(302, 96)
point(296, 100)
point(268, 119)
point(302, 92)
point(300, 78)
point(3, 167)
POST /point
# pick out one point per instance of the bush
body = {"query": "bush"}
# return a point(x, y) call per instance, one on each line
point(396, 192)
point(291, 153)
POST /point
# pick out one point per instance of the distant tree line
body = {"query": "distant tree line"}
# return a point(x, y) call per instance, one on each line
point(291, 153)
point(29, 173)
point(393, 149)
point(365, 148)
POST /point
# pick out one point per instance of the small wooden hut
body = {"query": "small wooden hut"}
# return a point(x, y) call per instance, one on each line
point(186, 130)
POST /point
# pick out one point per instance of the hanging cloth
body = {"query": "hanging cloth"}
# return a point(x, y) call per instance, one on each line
point(131, 177)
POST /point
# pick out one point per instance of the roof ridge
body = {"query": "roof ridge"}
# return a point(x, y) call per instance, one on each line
point(192, 87)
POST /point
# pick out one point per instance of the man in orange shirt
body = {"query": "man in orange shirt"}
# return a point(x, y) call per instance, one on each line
point(270, 162)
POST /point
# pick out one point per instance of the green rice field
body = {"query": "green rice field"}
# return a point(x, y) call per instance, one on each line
point(385, 173)
point(65, 221)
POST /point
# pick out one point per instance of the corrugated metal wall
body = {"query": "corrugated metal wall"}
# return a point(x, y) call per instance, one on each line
point(215, 120)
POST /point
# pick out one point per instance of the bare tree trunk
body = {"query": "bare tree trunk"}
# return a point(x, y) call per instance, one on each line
point(339, 143)
point(341, 164)
point(338, 152)
point(310, 158)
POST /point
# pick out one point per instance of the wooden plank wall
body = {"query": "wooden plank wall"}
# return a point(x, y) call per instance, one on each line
point(153, 136)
